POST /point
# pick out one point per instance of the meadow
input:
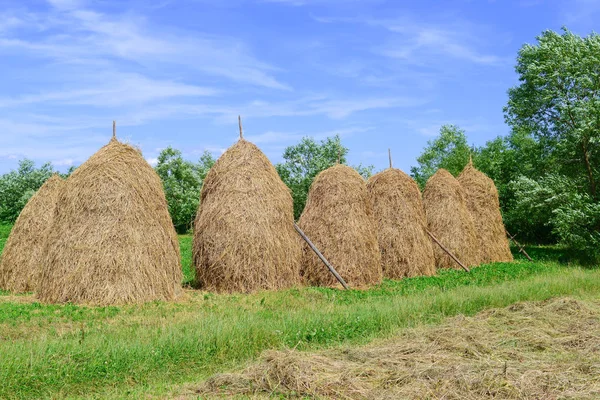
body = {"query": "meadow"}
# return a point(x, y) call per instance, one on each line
point(68, 351)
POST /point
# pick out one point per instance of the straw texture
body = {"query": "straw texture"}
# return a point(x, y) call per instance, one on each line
point(112, 240)
point(244, 237)
point(22, 256)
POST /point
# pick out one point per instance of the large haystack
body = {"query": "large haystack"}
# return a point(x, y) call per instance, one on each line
point(338, 219)
point(22, 257)
point(406, 249)
point(450, 221)
point(484, 206)
point(112, 240)
point(244, 237)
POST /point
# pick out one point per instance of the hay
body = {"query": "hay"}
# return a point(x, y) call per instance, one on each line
point(406, 249)
point(542, 350)
point(112, 241)
point(449, 220)
point(338, 219)
point(484, 206)
point(244, 237)
point(23, 253)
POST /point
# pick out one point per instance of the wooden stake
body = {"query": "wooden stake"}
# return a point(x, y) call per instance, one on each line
point(114, 130)
point(318, 253)
point(521, 249)
point(339, 154)
point(390, 156)
point(448, 252)
point(240, 124)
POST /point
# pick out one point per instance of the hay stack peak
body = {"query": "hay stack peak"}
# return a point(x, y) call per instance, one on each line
point(406, 249)
point(244, 237)
point(112, 240)
point(338, 219)
point(23, 253)
point(450, 221)
point(484, 206)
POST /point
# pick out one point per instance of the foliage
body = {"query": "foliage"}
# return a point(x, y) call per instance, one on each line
point(303, 162)
point(182, 182)
point(17, 187)
point(449, 151)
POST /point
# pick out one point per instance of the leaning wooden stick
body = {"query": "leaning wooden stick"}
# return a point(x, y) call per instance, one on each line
point(318, 253)
point(448, 252)
point(521, 249)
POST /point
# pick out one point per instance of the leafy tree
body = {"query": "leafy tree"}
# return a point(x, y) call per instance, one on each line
point(182, 182)
point(303, 162)
point(449, 151)
point(17, 187)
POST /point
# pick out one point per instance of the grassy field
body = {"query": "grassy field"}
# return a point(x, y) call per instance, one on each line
point(68, 351)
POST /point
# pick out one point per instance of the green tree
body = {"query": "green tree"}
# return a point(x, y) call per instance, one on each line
point(17, 187)
point(449, 151)
point(182, 182)
point(303, 162)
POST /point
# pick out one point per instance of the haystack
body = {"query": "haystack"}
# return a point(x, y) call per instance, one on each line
point(338, 218)
point(112, 240)
point(484, 206)
point(22, 257)
point(406, 249)
point(244, 237)
point(450, 221)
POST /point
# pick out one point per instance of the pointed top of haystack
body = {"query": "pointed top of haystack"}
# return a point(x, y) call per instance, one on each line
point(112, 240)
point(406, 249)
point(22, 257)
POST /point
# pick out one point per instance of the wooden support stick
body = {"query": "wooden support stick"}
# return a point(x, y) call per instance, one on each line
point(318, 253)
point(339, 155)
point(240, 124)
point(448, 252)
point(390, 156)
point(521, 249)
point(114, 130)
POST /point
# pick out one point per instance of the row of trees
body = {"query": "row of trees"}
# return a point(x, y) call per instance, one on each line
point(546, 169)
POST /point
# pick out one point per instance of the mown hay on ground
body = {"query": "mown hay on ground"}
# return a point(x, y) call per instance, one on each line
point(112, 240)
point(543, 350)
point(406, 249)
point(484, 206)
point(23, 253)
point(338, 219)
point(244, 237)
point(450, 221)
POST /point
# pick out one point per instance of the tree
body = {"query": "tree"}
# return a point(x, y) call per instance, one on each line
point(17, 187)
point(182, 182)
point(449, 151)
point(303, 162)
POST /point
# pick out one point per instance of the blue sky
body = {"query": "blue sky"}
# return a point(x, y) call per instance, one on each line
point(178, 72)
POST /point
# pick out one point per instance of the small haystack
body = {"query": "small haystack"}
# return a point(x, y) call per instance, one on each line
point(406, 249)
point(244, 237)
point(450, 221)
point(484, 206)
point(338, 219)
point(112, 241)
point(22, 257)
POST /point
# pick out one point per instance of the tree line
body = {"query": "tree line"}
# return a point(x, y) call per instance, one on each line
point(546, 169)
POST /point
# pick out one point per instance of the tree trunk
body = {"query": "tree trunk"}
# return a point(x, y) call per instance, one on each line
point(588, 166)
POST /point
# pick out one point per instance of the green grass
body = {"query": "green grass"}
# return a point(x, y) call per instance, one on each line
point(69, 351)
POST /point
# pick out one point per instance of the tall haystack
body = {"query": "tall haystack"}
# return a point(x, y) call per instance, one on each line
point(338, 219)
point(112, 240)
point(450, 221)
point(406, 249)
point(22, 257)
point(484, 206)
point(244, 237)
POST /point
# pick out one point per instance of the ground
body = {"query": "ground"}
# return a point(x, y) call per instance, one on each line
point(170, 350)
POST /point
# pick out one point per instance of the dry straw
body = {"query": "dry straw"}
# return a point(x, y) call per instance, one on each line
point(338, 218)
point(484, 206)
point(450, 221)
point(112, 241)
point(22, 257)
point(244, 236)
point(406, 249)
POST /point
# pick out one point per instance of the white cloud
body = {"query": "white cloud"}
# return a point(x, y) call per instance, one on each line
point(152, 161)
